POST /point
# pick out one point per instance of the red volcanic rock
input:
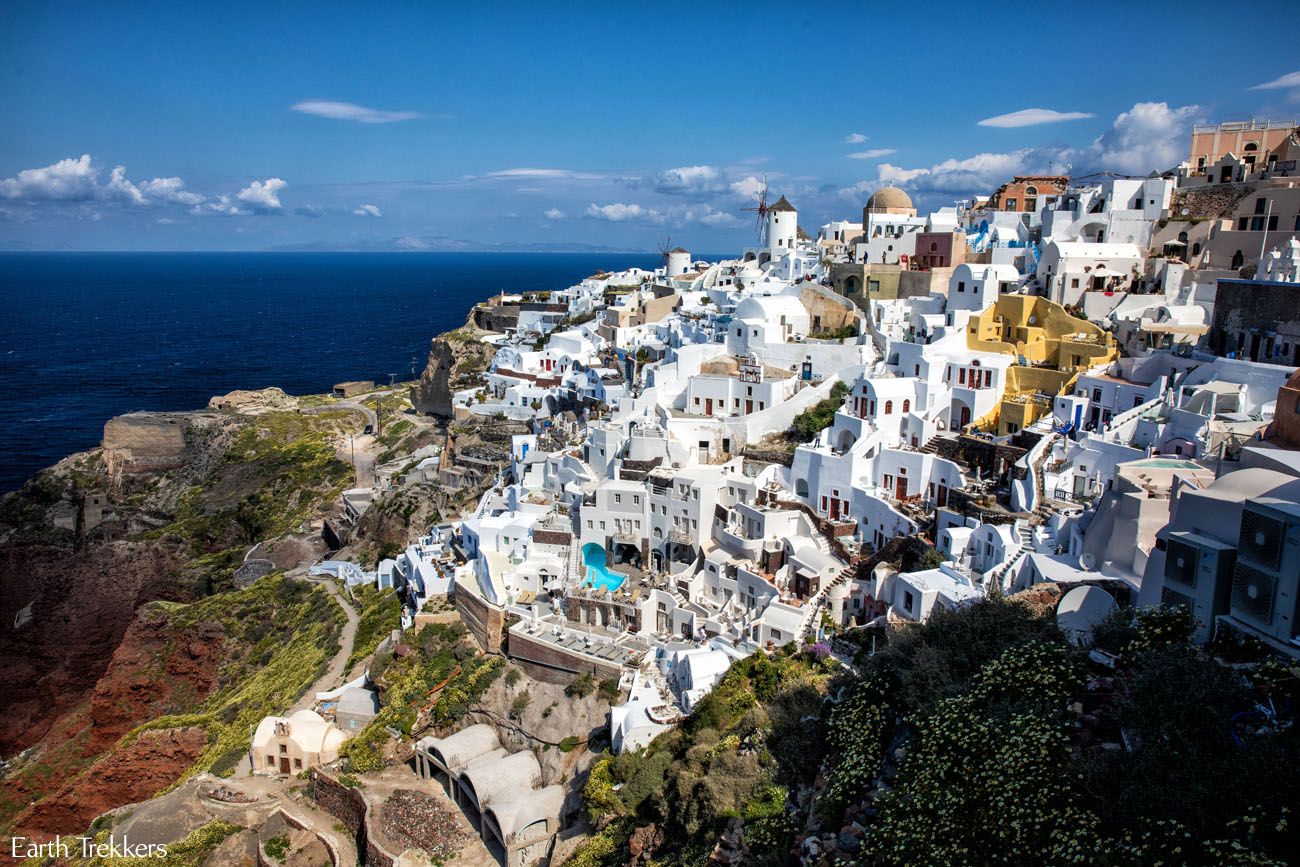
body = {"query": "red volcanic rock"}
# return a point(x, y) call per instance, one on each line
point(134, 773)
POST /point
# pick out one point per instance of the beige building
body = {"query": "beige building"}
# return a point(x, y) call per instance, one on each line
point(1255, 141)
point(289, 745)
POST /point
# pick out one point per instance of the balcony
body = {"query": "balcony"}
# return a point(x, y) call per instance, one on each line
point(681, 536)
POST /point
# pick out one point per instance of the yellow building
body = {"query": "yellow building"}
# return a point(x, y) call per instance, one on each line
point(1051, 348)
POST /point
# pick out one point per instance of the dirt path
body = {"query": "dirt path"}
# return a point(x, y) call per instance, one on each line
point(333, 676)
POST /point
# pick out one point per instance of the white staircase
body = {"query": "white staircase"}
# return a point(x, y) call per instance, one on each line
point(1024, 532)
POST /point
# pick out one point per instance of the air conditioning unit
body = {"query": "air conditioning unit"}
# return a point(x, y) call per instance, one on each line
point(1170, 597)
point(1198, 569)
point(1261, 539)
point(1253, 592)
point(1181, 561)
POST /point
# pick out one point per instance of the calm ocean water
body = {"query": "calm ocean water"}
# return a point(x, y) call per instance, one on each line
point(87, 336)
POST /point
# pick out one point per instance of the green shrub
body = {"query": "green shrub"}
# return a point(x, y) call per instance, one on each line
point(277, 847)
point(582, 685)
point(812, 421)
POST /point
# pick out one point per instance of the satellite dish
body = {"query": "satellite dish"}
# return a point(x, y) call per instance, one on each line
point(1088, 561)
point(1080, 610)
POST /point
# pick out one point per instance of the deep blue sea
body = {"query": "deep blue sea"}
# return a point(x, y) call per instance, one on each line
point(87, 336)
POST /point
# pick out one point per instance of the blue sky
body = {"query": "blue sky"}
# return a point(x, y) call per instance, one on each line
point(251, 126)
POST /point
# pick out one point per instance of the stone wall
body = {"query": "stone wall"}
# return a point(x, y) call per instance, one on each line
point(485, 622)
point(345, 804)
point(495, 318)
point(993, 459)
point(1247, 313)
point(548, 662)
point(826, 311)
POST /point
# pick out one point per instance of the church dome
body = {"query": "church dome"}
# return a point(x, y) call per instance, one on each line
point(890, 200)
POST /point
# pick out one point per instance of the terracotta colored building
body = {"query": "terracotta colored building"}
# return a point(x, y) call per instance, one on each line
point(1027, 193)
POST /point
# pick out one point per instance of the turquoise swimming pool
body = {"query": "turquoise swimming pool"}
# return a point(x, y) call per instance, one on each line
point(598, 574)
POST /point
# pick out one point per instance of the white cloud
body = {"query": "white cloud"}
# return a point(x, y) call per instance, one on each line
point(67, 180)
point(721, 218)
point(854, 138)
point(77, 180)
point(554, 214)
point(367, 211)
point(703, 213)
point(221, 205)
point(553, 174)
point(262, 195)
point(169, 190)
point(618, 212)
point(118, 186)
point(352, 111)
point(980, 173)
point(1282, 82)
point(873, 154)
point(1150, 136)
point(747, 188)
point(1033, 117)
point(690, 180)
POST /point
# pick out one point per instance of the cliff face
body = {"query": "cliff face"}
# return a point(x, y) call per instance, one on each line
point(456, 360)
point(432, 394)
point(81, 605)
point(179, 498)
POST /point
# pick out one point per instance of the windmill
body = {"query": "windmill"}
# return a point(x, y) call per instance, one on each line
point(761, 212)
point(665, 247)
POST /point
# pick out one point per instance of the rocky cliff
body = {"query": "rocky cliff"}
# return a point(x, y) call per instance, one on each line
point(456, 361)
point(85, 659)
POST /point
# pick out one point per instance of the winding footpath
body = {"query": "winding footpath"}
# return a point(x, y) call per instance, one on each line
point(334, 675)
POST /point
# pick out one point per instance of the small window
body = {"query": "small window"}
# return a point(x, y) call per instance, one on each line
point(297, 763)
point(907, 406)
point(889, 407)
